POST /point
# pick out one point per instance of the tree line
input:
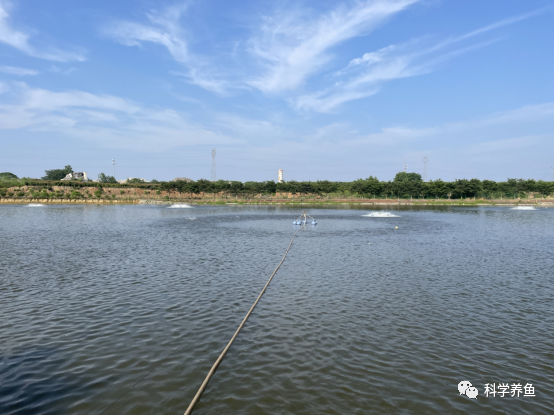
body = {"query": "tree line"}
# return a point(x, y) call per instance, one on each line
point(404, 185)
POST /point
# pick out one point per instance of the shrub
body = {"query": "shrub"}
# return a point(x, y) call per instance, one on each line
point(10, 194)
point(147, 192)
point(158, 192)
point(8, 176)
point(98, 193)
point(20, 194)
point(121, 192)
point(113, 196)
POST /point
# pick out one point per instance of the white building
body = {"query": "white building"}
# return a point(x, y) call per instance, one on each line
point(82, 175)
point(280, 176)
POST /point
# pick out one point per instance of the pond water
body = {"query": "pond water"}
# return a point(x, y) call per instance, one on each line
point(124, 309)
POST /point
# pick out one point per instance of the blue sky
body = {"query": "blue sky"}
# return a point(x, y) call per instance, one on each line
point(322, 89)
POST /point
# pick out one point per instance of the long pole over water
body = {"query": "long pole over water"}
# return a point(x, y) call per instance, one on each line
point(224, 352)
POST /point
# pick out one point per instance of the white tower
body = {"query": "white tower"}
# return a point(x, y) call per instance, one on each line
point(280, 176)
point(213, 165)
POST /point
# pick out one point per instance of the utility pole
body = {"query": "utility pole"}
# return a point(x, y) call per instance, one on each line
point(405, 167)
point(213, 165)
point(425, 168)
point(113, 164)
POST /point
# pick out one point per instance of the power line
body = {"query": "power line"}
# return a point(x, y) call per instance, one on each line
point(213, 165)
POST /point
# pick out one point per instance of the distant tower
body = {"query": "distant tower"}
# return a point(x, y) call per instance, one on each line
point(405, 167)
point(552, 167)
point(280, 176)
point(425, 168)
point(113, 164)
point(213, 165)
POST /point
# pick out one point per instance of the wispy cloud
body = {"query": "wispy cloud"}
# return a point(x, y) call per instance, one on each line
point(20, 40)
point(12, 70)
point(365, 76)
point(291, 47)
point(294, 45)
point(103, 119)
point(454, 133)
point(62, 71)
point(165, 28)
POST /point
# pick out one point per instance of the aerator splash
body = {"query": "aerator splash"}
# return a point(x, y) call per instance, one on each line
point(303, 219)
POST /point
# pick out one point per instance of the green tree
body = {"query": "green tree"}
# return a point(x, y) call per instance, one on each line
point(102, 178)
point(134, 180)
point(474, 187)
point(57, 174)
point(8, 176)
point(489, 187)
point(407, 177)
point(236, 187)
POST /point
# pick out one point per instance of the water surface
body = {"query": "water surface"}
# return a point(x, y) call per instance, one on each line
point(133, 304)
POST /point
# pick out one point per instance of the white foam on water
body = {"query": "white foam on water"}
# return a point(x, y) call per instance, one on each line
point(191, 218)
point(381, 215)
point(523, 208)
point(177, 206)
point(35, 204)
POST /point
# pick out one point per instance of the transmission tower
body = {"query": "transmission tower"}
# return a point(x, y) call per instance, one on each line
point(113, 164)
point(405, 167)
point(552, 167)
point(425, 168)
point(213, 165)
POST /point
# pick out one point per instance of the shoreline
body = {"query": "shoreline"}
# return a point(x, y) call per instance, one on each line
point(361, 202)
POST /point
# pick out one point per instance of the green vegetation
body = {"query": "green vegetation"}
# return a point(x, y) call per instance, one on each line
point(57, 174)
point(407, 177)
point(102, 178)
point(404, 186)
point(8, 176)
point(135, 180)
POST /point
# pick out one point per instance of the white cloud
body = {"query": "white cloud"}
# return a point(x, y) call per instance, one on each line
point(12, 70)
point(295, 45)
point(165, 28)
point(364, 76)
point(104, 119)
point(20, 40)
point(454, 133)
point(57, 69)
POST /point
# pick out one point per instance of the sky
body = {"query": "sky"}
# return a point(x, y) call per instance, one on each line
point(325, 90)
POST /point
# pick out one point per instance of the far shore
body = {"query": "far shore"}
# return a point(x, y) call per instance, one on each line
point(291, 201)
